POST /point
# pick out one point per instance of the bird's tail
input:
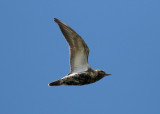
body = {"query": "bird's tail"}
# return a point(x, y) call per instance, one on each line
point(55, 83)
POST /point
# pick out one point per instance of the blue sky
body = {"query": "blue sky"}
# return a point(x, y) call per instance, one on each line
point(124, 40)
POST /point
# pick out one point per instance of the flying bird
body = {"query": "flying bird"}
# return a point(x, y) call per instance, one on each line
point(80, 71)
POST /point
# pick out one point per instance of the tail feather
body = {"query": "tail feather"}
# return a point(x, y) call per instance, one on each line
point(55, 83)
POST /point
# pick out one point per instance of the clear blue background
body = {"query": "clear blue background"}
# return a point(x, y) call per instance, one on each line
point(124, 40)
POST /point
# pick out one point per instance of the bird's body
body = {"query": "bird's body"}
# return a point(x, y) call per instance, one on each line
point(81, 78)
point(81, 73)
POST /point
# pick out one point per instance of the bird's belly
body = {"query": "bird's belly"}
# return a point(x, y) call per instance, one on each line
point(79, 79)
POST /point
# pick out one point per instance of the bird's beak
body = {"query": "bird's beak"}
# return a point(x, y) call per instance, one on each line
point(107, 74)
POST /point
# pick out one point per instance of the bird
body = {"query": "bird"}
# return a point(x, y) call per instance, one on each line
point(80, 71)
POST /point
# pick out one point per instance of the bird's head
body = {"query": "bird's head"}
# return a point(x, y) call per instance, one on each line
point(102, 73)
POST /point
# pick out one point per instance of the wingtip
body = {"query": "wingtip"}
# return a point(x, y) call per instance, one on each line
point(56, 20)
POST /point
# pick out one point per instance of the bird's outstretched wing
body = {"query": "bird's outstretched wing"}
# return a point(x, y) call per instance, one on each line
point(78, 49)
